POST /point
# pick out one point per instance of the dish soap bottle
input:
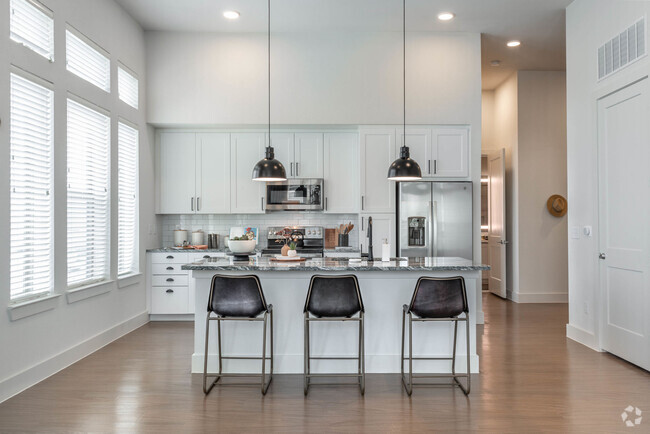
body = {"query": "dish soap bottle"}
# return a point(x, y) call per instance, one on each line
point(385, 251)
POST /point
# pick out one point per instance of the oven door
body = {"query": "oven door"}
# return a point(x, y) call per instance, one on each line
point(294, 195)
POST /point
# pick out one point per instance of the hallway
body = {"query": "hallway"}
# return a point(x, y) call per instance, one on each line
point(533, 379)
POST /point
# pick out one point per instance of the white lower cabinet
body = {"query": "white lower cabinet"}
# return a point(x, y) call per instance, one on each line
point(383, 227)
point(170, 288)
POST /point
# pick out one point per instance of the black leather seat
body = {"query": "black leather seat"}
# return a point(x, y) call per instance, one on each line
point(237, 298)
point(437, 299)
point(334, 298)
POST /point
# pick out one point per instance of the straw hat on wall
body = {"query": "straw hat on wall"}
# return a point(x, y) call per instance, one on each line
point(556, 205)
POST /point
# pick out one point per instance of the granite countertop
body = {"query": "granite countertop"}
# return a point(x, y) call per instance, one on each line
point(332, 264)
point(171, 249)
point(343, 250)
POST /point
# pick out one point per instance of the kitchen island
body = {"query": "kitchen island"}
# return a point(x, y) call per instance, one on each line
point(385, 287)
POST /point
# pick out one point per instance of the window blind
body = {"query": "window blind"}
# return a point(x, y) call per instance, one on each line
point(88, 194)
point(31, 244)
point(127, 86)
point(87, 62)
point(127, 143)
point(31, 24)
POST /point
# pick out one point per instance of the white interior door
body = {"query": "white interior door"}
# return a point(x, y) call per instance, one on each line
point(624, 189)
point(497, 222)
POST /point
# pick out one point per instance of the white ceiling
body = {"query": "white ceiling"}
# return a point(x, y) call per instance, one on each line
point(539, 24)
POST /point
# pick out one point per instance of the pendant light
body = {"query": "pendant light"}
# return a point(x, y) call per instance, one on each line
point(269, 169)
point(404, 168)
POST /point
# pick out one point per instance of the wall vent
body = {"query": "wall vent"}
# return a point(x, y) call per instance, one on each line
point(622, 50)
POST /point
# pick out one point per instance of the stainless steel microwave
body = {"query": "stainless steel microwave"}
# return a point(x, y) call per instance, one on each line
point(295, 195)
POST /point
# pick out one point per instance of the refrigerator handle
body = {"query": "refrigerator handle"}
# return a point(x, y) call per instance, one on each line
point(430, 229)
point(434, 233)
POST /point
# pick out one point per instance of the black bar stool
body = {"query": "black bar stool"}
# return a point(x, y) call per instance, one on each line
point(437, 299)
point(334, 298)
point(237, 298)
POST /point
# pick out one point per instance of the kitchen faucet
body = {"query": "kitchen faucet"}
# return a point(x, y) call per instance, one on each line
point(369, 234)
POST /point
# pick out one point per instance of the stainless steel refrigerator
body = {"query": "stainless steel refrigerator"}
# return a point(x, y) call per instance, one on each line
point(434, 219)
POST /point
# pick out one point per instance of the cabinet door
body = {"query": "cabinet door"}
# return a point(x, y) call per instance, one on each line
point(378, 151)
point(419, 142)
point(308, 155)
point(212, 173)
point(450, 152)
point(246, 195)
point(383, 227)
point(341, 173)
point(283, 147)
point(176, 175)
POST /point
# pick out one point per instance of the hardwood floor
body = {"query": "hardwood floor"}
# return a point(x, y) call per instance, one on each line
point(533, 379)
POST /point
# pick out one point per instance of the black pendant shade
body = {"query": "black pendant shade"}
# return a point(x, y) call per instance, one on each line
point(404, 168)
point(269, 169)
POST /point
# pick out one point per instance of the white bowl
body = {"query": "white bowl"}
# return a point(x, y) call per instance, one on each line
point(241, 246)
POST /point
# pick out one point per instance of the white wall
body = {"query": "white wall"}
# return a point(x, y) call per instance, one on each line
point(529, 116)
point(37, 346)
point(590, 23)
point(325, 78)
point(488, 126)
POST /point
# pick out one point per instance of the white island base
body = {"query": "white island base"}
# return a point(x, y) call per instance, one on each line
point(383, 293)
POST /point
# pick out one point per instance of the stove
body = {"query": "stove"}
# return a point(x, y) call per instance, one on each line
point(310, 240)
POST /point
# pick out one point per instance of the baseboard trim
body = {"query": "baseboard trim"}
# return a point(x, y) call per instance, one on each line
point(294, 364)
point(553, 297)
point(583, 337)
point(39, 372)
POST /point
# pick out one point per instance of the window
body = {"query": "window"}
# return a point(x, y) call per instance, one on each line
point(31, 244)
point(88, 194)
point(31, 24)
point(87, 62)
point(127, 160)
point(127, 86)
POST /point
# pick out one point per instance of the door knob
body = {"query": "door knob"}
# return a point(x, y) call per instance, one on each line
point(503, 242)
point(602, 256)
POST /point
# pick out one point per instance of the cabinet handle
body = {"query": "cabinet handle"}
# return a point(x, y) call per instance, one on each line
point(169, 291)
point(325, 204)
point(170, 279)
point(262, 198)
point(297, 169)
point(362, 203)
point(170, 268)
point(192, 202)
point(291, 165)
point(429, 167)
point(206, 257)
point(362, 223)
point(435, 167)
point(170, 257)
point(198, 207)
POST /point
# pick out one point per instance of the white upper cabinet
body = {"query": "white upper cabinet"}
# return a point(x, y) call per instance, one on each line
point(246, 195)
point(283, 148)
point(419, 142)
point(308, 155)
point(176, 173)
point(212, 173)
point(378, 151)
point(341, 173)
point(449, 153)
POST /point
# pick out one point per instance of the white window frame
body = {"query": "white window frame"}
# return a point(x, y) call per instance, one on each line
point(45, 243)
point(106, 236)
point(16, 36)
point(132, 182)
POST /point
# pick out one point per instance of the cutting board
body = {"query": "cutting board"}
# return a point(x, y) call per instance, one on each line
point(331, 240)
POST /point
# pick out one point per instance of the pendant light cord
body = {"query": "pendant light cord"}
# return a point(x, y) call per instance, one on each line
point(269, 54)
point(404, 63)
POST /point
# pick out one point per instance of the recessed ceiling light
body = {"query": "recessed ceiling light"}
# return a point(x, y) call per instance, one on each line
point(513, 43)
point(231, 15)
point(445, 16)
point(495, 63)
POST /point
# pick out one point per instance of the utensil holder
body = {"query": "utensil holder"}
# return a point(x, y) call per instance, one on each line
point(213, 241)
point(344, 239)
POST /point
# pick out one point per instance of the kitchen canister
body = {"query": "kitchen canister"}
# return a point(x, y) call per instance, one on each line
point(180, 237)
point(213, 241)
point(197, 238)
point(344, 239)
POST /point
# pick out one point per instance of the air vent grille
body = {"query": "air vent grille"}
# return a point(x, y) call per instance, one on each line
point(623, 49)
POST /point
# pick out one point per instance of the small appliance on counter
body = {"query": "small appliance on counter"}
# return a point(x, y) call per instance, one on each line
point(309, 241)
point(180, 238)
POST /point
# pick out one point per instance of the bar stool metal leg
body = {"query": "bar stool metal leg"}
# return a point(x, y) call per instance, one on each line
point(362, 355)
